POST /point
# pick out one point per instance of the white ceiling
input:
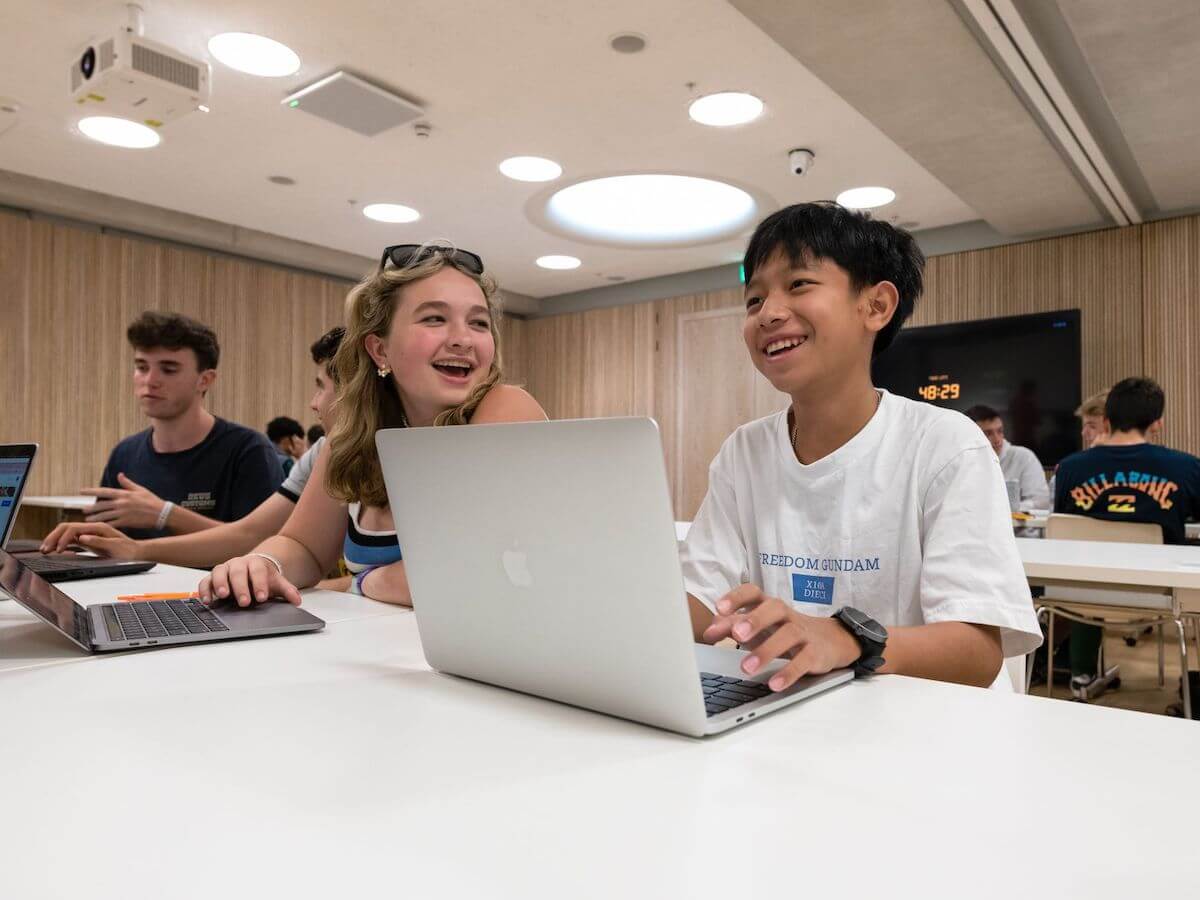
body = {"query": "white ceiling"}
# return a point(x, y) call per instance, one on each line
point(497, 80)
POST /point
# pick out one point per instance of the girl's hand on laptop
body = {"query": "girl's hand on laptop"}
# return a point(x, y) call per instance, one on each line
point(96, 536)
point(247, 579)
point(129, 506)
point(771, 629)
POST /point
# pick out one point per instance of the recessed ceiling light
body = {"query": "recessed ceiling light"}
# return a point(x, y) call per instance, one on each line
point(530, 168)
point(281, 179)
point(866, 197)
point(628, 43)
point(254, 54)
point(119, 132)
point(651, 209)
point(392, 213)
point(725, 109)
point(558, 262)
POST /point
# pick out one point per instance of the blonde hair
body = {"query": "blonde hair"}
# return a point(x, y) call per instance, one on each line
point(1093, 405)
point(365, 401)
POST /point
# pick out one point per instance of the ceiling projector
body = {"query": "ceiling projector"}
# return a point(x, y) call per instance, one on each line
point(128, 76)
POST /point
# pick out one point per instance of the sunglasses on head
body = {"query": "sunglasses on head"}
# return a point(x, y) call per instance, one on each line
point(403, 255)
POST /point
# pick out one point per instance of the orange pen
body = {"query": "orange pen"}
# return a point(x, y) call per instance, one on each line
point(192, 596)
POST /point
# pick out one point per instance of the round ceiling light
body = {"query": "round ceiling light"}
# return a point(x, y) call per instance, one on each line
point(119, 132)
point(651, 209)
point(254, 54)
point(725, 109)
point(558, 262)
point(530, 168)
point(866, 197)
point(628, 43)
point(392, 213)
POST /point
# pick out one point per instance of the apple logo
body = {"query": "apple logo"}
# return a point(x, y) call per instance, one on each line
point(516, 567)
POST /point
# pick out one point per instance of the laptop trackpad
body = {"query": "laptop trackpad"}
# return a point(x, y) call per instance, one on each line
point(259, 616)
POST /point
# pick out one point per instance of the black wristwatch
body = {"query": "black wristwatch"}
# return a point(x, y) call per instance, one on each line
point(871, 636)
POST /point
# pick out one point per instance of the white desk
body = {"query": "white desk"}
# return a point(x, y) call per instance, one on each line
point(337, 765)
point(26, 641)
point(75, 503)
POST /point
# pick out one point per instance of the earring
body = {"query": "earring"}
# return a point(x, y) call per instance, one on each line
point(384, 371)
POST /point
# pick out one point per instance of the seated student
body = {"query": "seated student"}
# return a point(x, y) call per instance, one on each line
point(422, 348)
point(314, 434)
point(288, 437)
point(1018, 464)
point(204, 549)
point(189, 470)
point(854, 504)
point(1126, 479)
point(1093, 427)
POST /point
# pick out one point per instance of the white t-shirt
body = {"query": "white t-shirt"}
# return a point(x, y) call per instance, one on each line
point(908, 522)
point(1020, 464)
point(293, 485)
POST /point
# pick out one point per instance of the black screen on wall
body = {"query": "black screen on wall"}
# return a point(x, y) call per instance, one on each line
point(1026, 367)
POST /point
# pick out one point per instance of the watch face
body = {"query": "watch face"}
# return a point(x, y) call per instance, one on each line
point(866, 624)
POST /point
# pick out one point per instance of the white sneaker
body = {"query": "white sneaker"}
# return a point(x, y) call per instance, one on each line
point(1085, 687)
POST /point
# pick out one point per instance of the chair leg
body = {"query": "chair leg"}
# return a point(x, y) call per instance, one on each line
point(1049, 653)
point(1196, 635)
point(1162, 669)
point(1183, 669)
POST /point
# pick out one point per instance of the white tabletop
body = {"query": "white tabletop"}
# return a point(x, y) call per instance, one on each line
point(338, 765)
point(1039, 518)
point(26, 641)
point(76, 502)
point(1145, 565)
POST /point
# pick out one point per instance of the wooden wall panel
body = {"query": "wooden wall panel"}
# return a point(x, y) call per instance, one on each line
point(68, 294)
point(1137, 289)
point(1171, 259)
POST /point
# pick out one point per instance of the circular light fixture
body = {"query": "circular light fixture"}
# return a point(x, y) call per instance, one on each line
point(558, 262)
point(119, 132)
point(725, 109)
point(254, 54)
point(392, 213)
point(530, 168)
point(651, 209)
point(281, 179)
point(866, 197)
point(628, 43)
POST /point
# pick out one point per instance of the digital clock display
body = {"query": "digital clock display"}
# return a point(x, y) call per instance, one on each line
point(950, 390)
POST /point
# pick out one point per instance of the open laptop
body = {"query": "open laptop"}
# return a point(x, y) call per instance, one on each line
point(145, 623)
point(16, 460)
point(542, 557)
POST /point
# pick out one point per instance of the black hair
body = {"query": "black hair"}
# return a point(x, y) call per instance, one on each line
point(172, 331)
point(1134, 404)
point(981, 413)
point(282, 427)
point(869, 251)
point(326, 346)
point(314, 434)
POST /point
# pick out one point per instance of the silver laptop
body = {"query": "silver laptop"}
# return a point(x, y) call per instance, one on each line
point(145, 623)
point(16, 461)
point(542, 558)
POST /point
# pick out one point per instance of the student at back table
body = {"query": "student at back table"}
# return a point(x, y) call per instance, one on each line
point(1126, 479)
point(1019, 464)
point(856, 528)
point(189, 470)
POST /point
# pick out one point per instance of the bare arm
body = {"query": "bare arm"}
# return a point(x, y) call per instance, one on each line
point(184, 521)
point(945, 651)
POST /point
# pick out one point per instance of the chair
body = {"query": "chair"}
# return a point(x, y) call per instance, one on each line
point(1092, 605)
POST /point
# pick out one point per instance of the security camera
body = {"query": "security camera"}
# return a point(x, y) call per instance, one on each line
point(800, 161)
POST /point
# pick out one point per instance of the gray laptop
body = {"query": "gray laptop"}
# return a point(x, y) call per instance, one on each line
point(16, 460)
point(542, 558)
point(145, 623)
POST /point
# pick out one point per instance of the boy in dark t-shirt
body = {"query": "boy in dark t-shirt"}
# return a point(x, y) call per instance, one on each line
point(1126, 479)
point(189, 470)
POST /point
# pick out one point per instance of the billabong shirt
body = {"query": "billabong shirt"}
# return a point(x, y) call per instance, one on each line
point(1134, 483)
point(908, 522)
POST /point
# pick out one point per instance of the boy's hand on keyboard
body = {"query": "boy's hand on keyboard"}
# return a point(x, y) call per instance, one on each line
point(96, 536)
point(246, 579)
point(771, 629)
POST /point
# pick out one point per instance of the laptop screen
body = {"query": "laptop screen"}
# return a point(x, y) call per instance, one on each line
point(44, 600)
point(15, 461)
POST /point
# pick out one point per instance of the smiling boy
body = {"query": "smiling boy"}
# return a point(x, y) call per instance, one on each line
point(855, 528)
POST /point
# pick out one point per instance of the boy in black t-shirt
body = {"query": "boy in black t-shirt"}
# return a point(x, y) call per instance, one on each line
point(189, 470)
point(1126, 479)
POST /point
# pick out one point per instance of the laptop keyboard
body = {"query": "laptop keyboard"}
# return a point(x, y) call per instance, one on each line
point(44, 564)
point(722, 693)
point(160, 618)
